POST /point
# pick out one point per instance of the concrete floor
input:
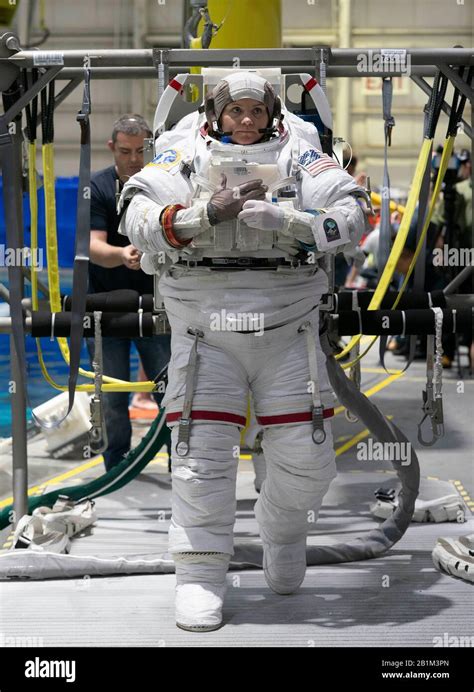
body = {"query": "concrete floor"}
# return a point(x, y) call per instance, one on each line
point(399, 599)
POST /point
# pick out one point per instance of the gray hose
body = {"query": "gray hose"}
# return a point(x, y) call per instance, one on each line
point(379, 540)
point(249, 555)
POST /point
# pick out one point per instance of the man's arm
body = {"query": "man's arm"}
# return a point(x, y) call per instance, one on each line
point(103, 254)
point(110, 256)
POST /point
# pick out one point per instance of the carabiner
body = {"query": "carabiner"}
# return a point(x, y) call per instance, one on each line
point(435, 437)
point(98, 441)
point(350, 418)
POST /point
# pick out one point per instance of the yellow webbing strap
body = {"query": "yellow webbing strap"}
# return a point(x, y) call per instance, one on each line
point(34, 220)
point(51, 230)
point(397, 248)
point(42, 15)
point(445, 157)
point(111, 384)
point(196, 44)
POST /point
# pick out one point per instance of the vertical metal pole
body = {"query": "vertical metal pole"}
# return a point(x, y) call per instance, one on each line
point(342, 119)
point(23, 21)
point(10, 151)
point(140, 29)
point(19, 448)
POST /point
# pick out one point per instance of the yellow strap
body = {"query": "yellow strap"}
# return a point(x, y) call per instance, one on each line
point(196, 43)
point(193, 95)
point(110, 384)
point(398, 245)
point(446, 155)
point(42, 15)
point(34, 220)
point(51, 231)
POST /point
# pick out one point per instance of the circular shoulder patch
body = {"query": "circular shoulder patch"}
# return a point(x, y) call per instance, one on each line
point(331, 230)
point(166, 159)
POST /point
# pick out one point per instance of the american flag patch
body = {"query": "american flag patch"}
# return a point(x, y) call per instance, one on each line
point(315, 162)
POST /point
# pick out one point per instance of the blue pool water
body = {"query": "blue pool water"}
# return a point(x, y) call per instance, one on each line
point(39, 390)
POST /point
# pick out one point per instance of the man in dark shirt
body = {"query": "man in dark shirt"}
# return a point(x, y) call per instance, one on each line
point(115, 263)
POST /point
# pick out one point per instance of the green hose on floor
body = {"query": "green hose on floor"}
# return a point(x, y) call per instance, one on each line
point(131, 465)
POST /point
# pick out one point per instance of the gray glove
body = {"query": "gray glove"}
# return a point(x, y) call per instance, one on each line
point(226, 203)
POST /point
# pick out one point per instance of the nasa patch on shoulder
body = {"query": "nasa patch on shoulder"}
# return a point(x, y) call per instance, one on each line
point(315, 162)
point(331, 230)
point(166, 159)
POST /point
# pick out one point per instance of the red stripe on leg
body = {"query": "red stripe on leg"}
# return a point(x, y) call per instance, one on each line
point(303, 417)
point(218, 416)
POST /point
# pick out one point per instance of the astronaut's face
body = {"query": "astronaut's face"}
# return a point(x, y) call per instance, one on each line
point(244, 118)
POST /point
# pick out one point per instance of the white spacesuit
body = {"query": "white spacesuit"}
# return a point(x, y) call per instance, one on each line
point(242, 225)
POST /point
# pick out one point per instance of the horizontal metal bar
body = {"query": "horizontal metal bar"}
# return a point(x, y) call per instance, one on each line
point(150, 72)
point(347, 57)
point(453, 302)
point(344, 71)
point(460, 300)
point(160, 324)
point(185, 57)
point(41, 286)
point(418, 56)
point(27, 304)
point(111, 73)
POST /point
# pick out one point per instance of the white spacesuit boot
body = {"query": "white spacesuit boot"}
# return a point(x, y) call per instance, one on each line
point(201, 527)
point(200, 590)
point(284, 566)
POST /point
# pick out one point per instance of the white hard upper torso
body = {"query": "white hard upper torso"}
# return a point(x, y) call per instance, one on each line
point(280, 295)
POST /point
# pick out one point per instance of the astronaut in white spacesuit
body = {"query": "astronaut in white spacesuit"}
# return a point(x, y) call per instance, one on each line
point(242, 205)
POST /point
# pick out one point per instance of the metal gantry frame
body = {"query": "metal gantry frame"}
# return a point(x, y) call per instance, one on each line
point(162, 64)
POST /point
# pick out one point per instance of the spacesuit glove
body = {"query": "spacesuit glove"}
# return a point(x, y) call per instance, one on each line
point(262, 215)
point(226, 202)
point(282, 217)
